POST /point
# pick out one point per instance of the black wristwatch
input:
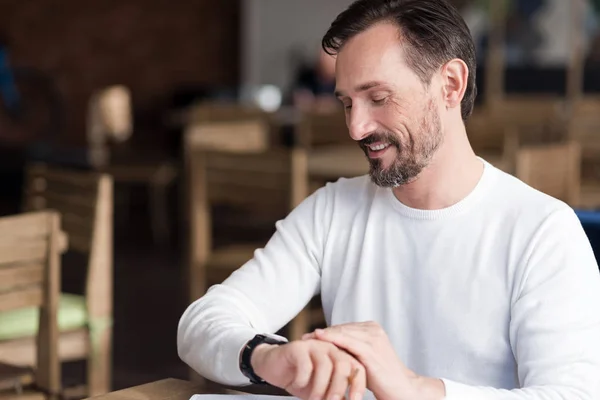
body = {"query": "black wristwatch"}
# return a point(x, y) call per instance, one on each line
point(246, 366)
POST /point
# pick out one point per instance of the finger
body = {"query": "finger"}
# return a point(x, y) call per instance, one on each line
point(353, 345)
point(342, 370)
point(322, 369)
point(308, 336)
point(358, 384)
point(303, 371)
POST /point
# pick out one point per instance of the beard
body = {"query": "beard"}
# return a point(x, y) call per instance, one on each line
point(412, 157)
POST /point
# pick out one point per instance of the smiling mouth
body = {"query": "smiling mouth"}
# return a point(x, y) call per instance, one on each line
point(378, 147)
point(376, 150)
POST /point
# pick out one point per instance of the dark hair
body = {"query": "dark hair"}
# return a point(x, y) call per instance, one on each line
point(433, 29)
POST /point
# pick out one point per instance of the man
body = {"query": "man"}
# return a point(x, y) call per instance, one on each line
point(440, 276)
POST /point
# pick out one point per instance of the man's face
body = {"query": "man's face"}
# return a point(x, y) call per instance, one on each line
point(392, 115)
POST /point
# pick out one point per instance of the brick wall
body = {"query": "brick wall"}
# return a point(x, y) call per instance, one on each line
point(152, 46)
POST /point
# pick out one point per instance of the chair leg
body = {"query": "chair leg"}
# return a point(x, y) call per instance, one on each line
point(99, 369)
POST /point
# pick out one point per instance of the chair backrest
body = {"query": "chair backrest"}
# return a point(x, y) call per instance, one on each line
point(270, 183)
point(503, 126)
point(534, 118)
point(323, 129)
point(224, 112)
point(485, 136)
point(267, 181)
point(584, 128)
point(30, 248)
point(584, 121)
point(85, 201)
point(233, 136)
point(554, 169)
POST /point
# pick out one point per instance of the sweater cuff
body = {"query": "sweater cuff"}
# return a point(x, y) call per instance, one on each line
point(458, 391)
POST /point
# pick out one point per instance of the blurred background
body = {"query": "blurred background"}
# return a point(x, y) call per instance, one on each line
point(172, 135)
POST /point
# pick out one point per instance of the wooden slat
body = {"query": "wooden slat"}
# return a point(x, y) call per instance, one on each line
point(57, 175)
point(216, 112)
point(249, 180)
point(337, 161)
point(265, 162)
point(323, 129)
point(40, 184)
point(73, 345)
point(27, 297)
point(22, 275)
point(553, 169)
point(83, 205)
point(272, 181)
point(74, 223)
point(81, 244)
point(14, 251)
point(30, 225)
point(242, 136)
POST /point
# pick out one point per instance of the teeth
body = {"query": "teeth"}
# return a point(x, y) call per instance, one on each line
point(378, 147)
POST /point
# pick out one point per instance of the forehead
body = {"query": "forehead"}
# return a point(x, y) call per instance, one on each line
point(373, 55)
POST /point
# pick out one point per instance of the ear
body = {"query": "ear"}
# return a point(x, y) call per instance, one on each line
point(455, 74)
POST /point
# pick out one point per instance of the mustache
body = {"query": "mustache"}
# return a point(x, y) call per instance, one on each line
point(379, 137)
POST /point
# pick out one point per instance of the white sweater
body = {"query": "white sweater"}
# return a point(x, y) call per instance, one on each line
point(498, 295)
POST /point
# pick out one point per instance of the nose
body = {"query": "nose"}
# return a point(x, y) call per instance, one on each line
point(360, 123)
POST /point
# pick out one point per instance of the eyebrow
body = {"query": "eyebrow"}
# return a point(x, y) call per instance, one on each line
point(360, 88)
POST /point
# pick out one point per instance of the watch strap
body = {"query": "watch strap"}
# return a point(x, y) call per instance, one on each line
point(246, 366)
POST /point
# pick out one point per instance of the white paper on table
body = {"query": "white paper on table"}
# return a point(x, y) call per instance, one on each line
point(368, 396)
point(240, 397)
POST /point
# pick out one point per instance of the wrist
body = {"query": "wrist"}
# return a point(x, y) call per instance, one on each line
point(259, 353)
point(252, 356)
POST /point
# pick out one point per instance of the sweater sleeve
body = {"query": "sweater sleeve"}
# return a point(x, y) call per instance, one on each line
point(555, 319)
point(260, 297)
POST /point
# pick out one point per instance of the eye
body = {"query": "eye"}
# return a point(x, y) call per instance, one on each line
point(379, 100)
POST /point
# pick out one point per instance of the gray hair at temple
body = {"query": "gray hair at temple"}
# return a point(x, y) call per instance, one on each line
point(434, 31)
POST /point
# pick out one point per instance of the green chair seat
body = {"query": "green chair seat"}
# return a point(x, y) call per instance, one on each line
point(72, 314)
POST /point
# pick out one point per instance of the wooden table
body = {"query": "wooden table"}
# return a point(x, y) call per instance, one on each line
point(175, 389)
point(166, 389)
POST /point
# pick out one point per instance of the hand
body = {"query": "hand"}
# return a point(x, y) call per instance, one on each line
point(310, 369)
point(388, 378)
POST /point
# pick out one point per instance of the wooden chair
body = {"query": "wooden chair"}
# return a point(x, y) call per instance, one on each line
point(497, 130)
point(584, 128)
point(317, 129)
point(239, 136)
point(265, 185)
point(85, 201)
point(552, 168)
point(30, 267)
point(332, 154)
point(215, 113)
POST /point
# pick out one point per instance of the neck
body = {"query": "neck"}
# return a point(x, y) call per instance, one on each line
point(451, 175)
